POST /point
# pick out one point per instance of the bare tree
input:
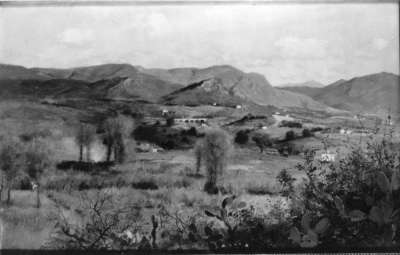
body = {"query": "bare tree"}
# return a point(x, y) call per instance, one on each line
point(36, 159)
point(217, 146)
point(104, 228)
point(10, 162)
point(84, 138)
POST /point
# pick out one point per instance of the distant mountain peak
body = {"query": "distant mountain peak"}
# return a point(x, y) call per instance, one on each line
point(310, 84)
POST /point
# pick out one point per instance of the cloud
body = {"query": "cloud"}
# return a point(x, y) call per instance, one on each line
point(76, 36)
point(293, 47)
point(286, 43)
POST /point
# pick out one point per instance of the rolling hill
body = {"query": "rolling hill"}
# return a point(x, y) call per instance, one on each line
point(249, 86)
point(308, 91)
point(113, 81)
point(376, 93)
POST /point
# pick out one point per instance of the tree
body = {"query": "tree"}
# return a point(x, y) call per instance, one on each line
point(242, 137)
point(107, 226)
point(170, 121)
point(198, 152)
point(262, 141)
point(10, 161)
point(36, 159)
point(84, 138)
point(289, 135)
point(306, 132)
point(216, 150)
point(117, 131)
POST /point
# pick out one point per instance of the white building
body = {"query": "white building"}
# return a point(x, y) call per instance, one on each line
point(327, 157)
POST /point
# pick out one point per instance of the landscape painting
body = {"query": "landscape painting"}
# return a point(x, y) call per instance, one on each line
point(199, 126)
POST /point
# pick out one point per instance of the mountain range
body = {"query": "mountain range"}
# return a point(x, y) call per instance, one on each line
point(223, 85)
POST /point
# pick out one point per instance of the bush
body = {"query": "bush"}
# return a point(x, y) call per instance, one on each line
point(170, 121)
point(29, 136)
point(192, 131)
point(145, 184)
point(290, 135)
point(262, 141)
point(355, 203)
point(286, 181)
point(306, 132)
point(242, 137)
point(262, 189)
point(290, 124)
point(316, 129)
point(85, 166)
point(241, 229)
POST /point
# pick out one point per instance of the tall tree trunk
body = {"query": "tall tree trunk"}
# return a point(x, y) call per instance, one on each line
point(80, 152)
point(37, 197)
point(109, 151)
point(88, 153)
point(198, 163)
point(1, 188)
point(9, 195)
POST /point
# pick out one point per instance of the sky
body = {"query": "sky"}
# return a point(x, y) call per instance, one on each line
point(285, 42)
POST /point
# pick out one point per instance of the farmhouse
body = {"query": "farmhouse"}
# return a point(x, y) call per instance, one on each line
point(327, 157)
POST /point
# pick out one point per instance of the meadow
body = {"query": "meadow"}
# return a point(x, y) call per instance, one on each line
point(157, 199)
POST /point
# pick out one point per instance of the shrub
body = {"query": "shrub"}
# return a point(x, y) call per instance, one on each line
point(170, 121)
point(242, 137)
point(145, 184)
point(290, 135)
point(241, 229)
point(192, 131)
point(290, 124)
point(11, 160)
point(85, 166)
point(306, 132)
point(262, 141)
point(106, 226)
point(29, 136)
point(360, 194)
point(262, 189)
point(316, 129)
point(286, 181)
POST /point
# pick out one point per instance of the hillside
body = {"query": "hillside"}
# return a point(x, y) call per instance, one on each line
point(375, 93)
point(206, 92)
point(113, 81)
point(308, 91)
point(90, 73)
point(13, 72)
point(249, 86)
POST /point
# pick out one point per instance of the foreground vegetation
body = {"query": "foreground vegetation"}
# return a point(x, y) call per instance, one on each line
point(210, 198)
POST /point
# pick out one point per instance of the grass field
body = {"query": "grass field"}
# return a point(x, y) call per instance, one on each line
point(147, 182)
